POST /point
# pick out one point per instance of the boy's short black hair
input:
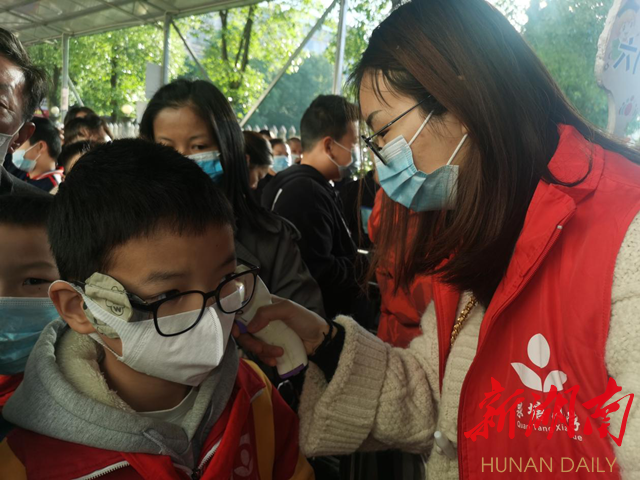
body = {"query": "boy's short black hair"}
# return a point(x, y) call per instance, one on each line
point(327, 116)
point(276, 141)
point(91, 124)
point(25, 209)
point(74, 111)
point(73, 149)
point(124, 190)
point(258, 149)
point(46, 132)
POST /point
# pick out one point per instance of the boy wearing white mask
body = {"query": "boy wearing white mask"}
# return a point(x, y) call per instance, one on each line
point(295, 144)
point(141, 378)
point(27, 269)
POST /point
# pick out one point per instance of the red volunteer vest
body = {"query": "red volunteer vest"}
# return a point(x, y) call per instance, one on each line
point(548, 322)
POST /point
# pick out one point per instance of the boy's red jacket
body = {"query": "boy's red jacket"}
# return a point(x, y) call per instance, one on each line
point(8, 385)
point(255, 438)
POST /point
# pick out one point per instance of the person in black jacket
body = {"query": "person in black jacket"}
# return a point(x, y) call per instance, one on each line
point(304, 195)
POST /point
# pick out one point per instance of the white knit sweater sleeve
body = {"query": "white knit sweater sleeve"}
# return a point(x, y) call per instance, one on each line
point(622, 356)
point(380, 396)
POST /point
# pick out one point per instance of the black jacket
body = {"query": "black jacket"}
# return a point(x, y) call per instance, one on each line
point(302, 195)
point(275, 250)
point(10, 184)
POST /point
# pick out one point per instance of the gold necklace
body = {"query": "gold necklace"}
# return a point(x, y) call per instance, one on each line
point(462, 318)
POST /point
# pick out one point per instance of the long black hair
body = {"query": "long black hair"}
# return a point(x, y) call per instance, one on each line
point(214, 109)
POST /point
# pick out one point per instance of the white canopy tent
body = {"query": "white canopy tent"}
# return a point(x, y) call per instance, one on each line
point(45, 20)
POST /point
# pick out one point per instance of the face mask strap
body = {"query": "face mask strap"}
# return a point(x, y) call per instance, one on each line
point(31, 148)
point(458, 148)
point(96, 338)
point(342, 146)
point(424, 124)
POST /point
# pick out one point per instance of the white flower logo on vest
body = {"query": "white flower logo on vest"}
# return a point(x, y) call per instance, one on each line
point(246, 469)
point(539, 354)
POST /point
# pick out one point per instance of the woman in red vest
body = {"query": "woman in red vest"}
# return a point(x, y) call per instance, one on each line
point(527, 221)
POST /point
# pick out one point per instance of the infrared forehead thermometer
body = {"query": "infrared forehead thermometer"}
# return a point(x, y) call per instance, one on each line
point(276, 333)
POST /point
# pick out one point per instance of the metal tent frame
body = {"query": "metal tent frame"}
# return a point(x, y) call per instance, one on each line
point(37, 21)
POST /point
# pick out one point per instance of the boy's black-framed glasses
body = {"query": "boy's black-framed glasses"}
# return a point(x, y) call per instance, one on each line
point(178, 313)
point(368, 140)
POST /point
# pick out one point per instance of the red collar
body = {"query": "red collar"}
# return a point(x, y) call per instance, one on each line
point(8, 385)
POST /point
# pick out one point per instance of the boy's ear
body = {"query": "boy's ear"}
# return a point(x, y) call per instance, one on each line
point(44, 148)
point(68, 302)
point(327, 143)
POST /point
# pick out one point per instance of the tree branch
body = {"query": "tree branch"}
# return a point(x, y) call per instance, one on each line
point(243, 48)
point(223, 19)
point(248, 28)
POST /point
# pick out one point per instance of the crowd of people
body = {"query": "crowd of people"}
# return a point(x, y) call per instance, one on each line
point(462, 264)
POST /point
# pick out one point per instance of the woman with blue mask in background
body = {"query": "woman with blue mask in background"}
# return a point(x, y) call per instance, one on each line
point(195, 118)
point(281, 154)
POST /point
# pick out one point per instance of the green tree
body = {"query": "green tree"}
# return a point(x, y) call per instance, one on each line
point(564, 34)
point(247, 46)
point(242, 51)
point(289, 99)
point(49, 57)
point(109, 69)
point(363, 16)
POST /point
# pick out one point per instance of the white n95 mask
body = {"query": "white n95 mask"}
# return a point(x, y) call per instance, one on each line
point(187, 359)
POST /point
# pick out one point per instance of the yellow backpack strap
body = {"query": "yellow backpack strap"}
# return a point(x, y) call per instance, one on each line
point(10, 466)
point(263, 416)
point(263, 424)
point(303, 470)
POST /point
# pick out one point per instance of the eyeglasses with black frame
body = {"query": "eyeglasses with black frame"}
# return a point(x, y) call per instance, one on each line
point(178, 313)
point(368, 140)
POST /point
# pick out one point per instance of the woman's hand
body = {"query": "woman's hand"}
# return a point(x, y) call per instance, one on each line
point(309, 326)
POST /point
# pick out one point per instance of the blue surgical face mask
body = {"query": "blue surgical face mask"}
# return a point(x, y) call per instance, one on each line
point(21, 321)
point(209, 162)
point(280, 163)
point(23, 163)
point(408, 186)
point(365, 215)
point(344, 170)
